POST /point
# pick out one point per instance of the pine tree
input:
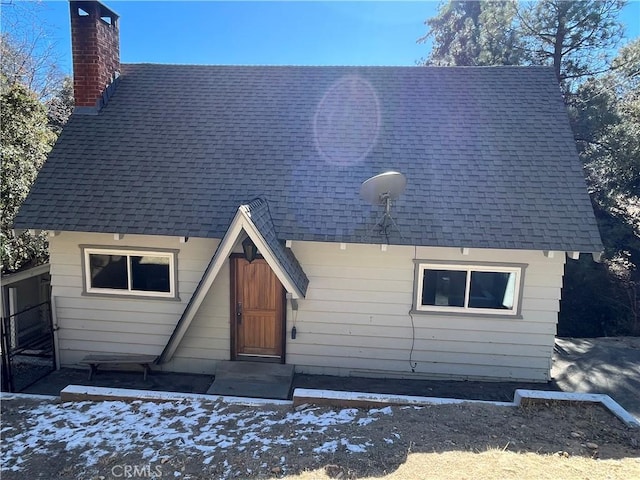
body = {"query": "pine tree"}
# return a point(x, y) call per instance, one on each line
point(25, 141)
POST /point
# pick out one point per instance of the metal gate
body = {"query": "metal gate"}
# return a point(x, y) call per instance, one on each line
point(27, 347)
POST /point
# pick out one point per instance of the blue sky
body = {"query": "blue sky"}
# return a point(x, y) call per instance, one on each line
point(269, 32)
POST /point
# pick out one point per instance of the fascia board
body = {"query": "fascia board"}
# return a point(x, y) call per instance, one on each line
point(267, 253)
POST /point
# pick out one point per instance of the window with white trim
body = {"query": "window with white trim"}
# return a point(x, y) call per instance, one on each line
point(468, 288)
point(130, 272)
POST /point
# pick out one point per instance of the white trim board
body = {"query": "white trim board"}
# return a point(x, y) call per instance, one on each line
point(330, 397)
point(263, 247)
point(76, 393)
point(241, 222)
point(307, 395)
point(608, 402)
point(302, 396)
point(24, 274)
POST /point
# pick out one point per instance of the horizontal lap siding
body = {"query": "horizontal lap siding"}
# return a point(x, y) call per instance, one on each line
point(103, 324)
point(208, 337)
point(355, 318)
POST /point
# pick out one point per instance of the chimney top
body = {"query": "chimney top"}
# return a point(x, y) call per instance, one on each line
point(95, 44)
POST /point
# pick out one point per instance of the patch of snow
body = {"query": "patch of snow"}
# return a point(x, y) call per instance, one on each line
point(97, 430)
point(327, 447)
point(353, 448)
point(386, 410)
point(365, 421)
point(149, 453)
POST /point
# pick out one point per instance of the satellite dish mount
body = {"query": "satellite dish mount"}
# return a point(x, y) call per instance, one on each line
point(383, 190)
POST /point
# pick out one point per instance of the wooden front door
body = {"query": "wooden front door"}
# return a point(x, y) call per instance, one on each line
point(257, 310)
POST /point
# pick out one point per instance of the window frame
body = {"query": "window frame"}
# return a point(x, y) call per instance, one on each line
point(129, 252)
point(469, 267)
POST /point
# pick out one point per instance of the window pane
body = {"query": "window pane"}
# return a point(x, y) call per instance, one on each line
point(150, 274)
point(108, 271)
point(444, 287)
point(492, 290)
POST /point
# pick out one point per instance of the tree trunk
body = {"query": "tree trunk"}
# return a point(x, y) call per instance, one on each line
point(561, 32)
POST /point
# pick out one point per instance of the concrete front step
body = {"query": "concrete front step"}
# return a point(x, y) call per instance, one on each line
point(252, 379)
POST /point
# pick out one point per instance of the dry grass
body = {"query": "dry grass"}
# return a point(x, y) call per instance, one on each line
point(499, 464)
point(465, 441)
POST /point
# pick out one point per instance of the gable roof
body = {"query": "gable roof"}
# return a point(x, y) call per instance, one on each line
point(254, 220)
point(488, 153)
point(258, 216)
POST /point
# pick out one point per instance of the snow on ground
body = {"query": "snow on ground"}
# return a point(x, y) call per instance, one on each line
point(98, 429)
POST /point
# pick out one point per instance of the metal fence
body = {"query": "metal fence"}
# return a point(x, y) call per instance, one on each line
point(27, 347)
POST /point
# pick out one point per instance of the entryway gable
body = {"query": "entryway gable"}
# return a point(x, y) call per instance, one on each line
point(254, 221)
point(259, 227)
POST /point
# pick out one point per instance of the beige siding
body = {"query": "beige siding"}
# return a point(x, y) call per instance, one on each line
point(208, 337)
point(104, 324)
point(355, 319)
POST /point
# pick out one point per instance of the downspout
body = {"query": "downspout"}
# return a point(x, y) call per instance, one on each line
point(56, 327)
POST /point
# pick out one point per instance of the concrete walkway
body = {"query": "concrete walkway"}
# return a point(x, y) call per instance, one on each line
point(56, 381)
point(191, 383)
point(252, 379)
point(600, 365)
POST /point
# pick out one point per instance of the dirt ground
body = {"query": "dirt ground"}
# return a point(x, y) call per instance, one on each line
point(195, 440)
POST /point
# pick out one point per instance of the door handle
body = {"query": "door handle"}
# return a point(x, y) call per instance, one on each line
point(239, 312)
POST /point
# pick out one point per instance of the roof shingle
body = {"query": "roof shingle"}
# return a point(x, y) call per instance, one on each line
point(488, 153)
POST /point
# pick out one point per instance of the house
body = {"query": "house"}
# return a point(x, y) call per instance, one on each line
point(166, 174)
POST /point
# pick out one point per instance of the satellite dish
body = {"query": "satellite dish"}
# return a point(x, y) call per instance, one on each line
point(383, 189)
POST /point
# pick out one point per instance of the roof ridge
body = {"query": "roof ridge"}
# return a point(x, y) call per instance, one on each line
point(408, 67)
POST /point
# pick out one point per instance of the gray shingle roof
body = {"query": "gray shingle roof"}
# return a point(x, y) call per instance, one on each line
point(488, 153)
point(261, 218)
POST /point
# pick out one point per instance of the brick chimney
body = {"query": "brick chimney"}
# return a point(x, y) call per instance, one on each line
point(95, 44)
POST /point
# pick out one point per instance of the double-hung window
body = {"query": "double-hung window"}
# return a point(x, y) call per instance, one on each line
point(493, 289)
point(130, 272)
